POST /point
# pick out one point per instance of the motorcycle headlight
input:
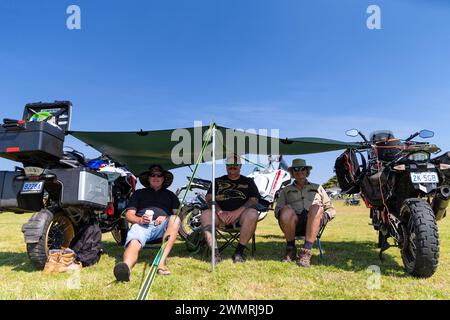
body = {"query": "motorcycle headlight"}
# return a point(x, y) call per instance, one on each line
point(419, 156)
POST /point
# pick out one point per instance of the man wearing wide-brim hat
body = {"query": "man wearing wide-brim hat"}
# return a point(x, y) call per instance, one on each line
point(302, 209)
point(152, 211)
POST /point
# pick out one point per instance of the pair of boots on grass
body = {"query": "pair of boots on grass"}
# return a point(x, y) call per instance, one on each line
point(61, 260)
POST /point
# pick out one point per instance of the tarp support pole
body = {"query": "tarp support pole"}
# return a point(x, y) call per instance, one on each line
point(213, 263)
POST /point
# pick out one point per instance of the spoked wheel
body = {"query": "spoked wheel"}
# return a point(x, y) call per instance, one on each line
point(190, 221)
point(57, 232)
point(119, 232)
point(420, 250)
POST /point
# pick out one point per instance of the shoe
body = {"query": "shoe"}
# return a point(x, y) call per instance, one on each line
point(291, 254)
point(67, 262)
point(304, 258)
point(52, 260)
point(164, 272)
point(238, 257)
point(122, 272)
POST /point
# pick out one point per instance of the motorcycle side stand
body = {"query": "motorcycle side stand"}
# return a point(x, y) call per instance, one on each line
point(383, 245)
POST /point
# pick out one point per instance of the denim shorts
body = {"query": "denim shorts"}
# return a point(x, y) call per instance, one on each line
point(146, 233)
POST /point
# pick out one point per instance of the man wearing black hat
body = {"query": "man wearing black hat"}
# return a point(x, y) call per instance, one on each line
point(152, 211)
point(236, 197)
point(302, 209)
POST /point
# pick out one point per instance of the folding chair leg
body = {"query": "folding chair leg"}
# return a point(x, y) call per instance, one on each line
point(319, 244)
point(253, 245)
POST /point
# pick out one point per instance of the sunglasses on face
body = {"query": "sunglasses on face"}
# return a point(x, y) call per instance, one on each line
point(156, 175)
point(300, 169)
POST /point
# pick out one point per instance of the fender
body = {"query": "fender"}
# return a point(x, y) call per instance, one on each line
point(34, 228)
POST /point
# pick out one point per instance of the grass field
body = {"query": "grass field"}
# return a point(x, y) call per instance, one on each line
point(349, 249)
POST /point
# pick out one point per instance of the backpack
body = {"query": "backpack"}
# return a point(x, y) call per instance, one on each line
point(87, 244)
point(347, 172)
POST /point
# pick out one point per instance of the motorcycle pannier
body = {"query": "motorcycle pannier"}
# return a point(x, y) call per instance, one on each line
point(347, 170)
point(33, 142)
point(82, 187)
point(374, 187)
point(445, 158)
point(9, 188)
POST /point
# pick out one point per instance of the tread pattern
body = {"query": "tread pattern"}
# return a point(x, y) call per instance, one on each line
point(427, 238)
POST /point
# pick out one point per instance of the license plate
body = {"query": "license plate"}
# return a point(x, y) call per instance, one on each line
point(32, 187)
point(424, 177)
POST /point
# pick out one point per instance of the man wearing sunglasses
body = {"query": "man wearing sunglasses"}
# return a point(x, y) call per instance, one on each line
point(152, 211)
point(236, 199)
point(302, 209)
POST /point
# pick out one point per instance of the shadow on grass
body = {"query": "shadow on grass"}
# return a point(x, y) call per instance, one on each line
point(345, 255)
point(349, 255)
point(18, 260)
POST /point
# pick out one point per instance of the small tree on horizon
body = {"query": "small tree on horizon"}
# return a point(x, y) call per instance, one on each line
point(331, 183)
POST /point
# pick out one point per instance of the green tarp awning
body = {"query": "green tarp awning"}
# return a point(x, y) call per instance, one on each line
point(137, 150)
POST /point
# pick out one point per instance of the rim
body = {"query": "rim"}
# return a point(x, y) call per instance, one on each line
point(410, 248)
point(59, 233)
point(116, 233)
point(191, 222)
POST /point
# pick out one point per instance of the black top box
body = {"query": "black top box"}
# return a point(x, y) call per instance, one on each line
point(38, 138)
point(31, 143)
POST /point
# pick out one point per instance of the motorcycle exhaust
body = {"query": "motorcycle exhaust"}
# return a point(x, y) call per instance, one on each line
point(440, 202)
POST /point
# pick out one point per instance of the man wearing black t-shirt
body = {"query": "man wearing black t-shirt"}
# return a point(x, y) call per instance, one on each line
point(236, 199)
point(153, 213)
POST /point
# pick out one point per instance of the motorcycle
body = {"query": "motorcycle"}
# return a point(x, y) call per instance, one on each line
point(269, 180)
point(63, 189)
point(406, 191)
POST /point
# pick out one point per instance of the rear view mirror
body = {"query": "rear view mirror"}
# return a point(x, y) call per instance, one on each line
point(352, 132)
point(424, 134)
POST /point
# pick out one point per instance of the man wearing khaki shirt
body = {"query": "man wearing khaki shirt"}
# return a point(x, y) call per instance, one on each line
point(302, 209)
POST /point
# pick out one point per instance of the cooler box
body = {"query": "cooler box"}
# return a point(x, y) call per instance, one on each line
point(83, 187)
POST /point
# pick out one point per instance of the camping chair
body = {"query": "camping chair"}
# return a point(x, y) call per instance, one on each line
point(318, 238)
point(231, 233)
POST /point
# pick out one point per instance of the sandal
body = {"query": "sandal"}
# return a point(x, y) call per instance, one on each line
point(164, 272)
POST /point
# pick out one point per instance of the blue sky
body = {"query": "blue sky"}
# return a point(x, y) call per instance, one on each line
point(307, 68)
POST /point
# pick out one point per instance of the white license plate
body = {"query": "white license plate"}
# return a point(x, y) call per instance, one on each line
point(424, 177)
point(32, 187)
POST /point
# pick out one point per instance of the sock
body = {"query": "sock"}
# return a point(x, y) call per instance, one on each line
point(291, 244)
point(308, 245)
point(240, 249)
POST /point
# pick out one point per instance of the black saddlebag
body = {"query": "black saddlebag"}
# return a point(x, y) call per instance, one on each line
point(388, 150)
point(445, 158)
point(9, 190)
point(347, 171)
point(375, 187)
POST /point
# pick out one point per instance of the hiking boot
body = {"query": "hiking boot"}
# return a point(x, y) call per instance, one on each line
point(238, 257)
point(122, 272)
point(304, 258)
point(52, 260)
point(291, 254)
point(67, 262)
